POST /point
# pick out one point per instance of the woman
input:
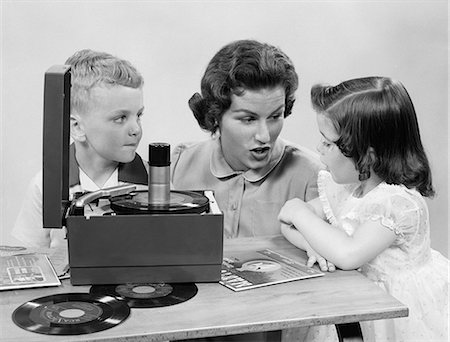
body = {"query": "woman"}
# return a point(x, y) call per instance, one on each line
point(246, 93)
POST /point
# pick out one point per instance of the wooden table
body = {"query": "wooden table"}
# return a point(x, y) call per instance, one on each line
point(336, 298)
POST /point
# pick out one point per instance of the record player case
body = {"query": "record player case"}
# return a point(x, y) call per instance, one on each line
point(116, 249)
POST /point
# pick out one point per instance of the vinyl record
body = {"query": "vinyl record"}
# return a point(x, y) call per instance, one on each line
point(71, 314)
point(148, 295)
point(181, 202)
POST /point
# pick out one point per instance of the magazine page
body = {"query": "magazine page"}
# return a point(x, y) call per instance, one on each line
point(26, 270)
point(58, 256)
point(252, 269)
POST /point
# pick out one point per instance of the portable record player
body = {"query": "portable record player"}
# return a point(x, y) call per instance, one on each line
point(122, 234)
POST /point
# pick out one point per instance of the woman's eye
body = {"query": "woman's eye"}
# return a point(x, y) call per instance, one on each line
point(277, 116)
point(247, 119)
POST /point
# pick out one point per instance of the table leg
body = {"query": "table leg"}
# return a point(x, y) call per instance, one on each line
point(349, 332)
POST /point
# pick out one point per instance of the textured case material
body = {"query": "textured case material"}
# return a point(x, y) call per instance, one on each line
point(56, 145)
point(122, 248)
point(145, 248)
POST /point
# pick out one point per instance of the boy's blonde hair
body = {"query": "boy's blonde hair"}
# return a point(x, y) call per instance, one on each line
point(92, 68)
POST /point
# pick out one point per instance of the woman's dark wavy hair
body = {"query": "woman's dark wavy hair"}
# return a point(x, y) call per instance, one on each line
point(241, 65)
point(377, 113)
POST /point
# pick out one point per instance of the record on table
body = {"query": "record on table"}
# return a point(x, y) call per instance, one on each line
point(148, 295)
point(181, 202)
point(71, 314)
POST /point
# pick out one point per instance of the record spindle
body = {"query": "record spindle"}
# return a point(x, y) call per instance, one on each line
point(159, 174)
point(159, 199)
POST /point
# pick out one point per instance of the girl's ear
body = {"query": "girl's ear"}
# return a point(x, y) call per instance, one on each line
point(372, 156)
point(76, 128)
point(369, 160)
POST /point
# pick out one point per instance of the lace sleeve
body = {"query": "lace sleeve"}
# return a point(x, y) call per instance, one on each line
point(399, 210)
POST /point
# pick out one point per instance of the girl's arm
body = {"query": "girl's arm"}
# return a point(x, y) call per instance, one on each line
point(296, 238)
point(316, 207)
point(293, 235)
point(346, 252)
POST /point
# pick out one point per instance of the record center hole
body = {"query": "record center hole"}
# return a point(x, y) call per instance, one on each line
point(71, 313)
point(144, 289)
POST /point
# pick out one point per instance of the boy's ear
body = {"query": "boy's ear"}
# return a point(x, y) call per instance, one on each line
point(76, 128)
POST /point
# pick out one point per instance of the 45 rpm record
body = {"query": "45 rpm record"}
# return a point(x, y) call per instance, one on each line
point(71, 314)
point(181, 202)
point(148, 295)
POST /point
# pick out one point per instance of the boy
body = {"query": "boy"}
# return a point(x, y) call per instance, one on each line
point(106, 108)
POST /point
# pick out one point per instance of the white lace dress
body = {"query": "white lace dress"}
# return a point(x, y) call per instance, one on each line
point(409, 269)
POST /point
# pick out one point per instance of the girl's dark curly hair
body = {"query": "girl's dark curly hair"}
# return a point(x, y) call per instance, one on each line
point(241, 65)
point(377, 114)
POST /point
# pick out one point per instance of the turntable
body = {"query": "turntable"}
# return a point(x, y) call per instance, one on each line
point(125, 234)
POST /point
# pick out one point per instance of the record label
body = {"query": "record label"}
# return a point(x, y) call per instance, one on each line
point(149, 295)
point(71, 314)
point(66, 313)
point(144, 291)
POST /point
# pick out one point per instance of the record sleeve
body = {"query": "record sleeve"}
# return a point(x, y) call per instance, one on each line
point(251, 269)
point(26, 270)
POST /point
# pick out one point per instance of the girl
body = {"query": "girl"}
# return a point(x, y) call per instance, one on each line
point(371, 213)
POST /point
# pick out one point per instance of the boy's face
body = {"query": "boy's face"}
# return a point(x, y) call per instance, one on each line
point(112, 125)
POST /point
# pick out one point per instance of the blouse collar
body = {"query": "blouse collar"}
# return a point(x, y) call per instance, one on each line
point(221, 169)
point(133, 172)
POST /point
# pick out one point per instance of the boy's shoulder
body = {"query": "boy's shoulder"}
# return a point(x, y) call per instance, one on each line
point(135, 171)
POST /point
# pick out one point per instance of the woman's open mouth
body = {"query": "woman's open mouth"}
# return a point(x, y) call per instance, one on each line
point(260, 153)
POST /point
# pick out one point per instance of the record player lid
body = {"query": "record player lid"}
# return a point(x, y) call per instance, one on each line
point(56, 136)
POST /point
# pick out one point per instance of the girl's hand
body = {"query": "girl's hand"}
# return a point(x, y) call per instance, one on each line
point(297, 210)
point(294, 208)
point(324, 265)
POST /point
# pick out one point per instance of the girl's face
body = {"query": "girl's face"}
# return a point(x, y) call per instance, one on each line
point(250, 127)
point(341, 167)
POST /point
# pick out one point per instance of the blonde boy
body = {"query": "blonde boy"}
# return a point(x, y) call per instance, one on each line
point(105, 125)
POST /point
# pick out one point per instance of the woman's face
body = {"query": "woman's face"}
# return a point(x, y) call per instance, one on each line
point(342, 168)
point(250, 127)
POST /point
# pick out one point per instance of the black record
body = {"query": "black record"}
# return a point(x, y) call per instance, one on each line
point(71, 314)
point(180, 202)
point(148, 295)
